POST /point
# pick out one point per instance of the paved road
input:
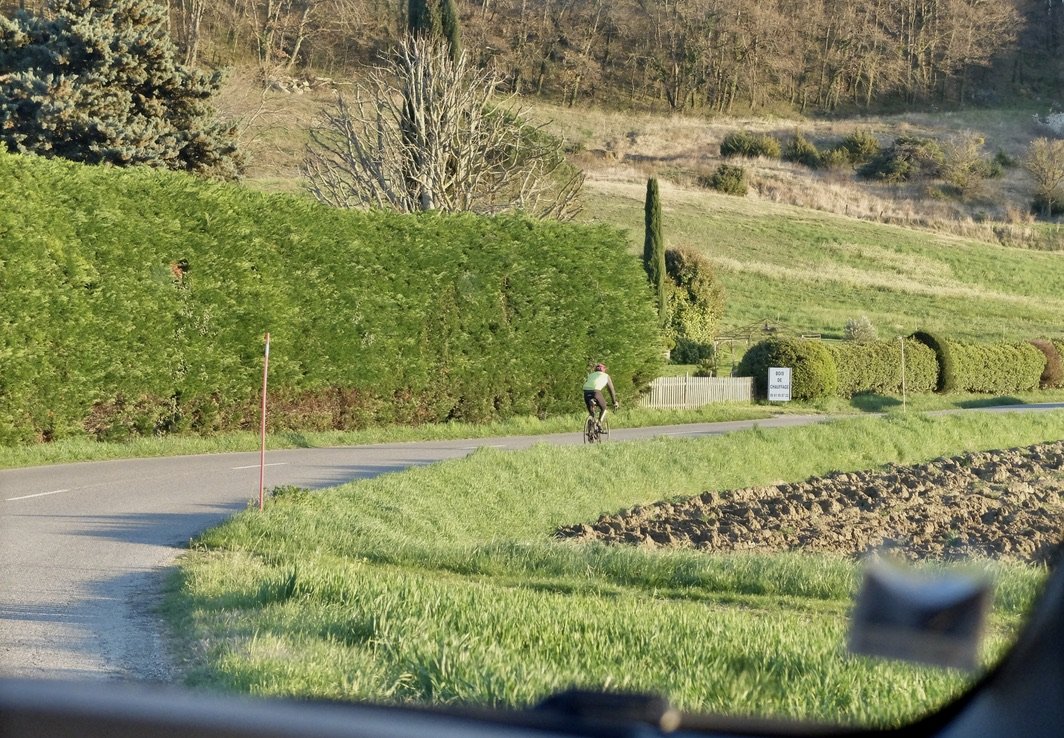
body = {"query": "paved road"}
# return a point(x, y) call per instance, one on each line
point(85, 547)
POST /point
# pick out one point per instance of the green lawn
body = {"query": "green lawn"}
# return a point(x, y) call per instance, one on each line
point(814, 270)
point(443, 584)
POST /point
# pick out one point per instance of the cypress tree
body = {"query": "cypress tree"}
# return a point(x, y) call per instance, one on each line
point(654, 245)
point(98, 81)
point(451, 30)
point(437, 19)
point(422, 18)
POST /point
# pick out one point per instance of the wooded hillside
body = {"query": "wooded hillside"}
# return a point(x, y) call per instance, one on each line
point(671, 54)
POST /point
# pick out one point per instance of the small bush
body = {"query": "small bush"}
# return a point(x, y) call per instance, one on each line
point(837, 158)
point(861, 146)
point(860, 329)
point(728, 179)
point(801, 150)
point(687, 351)
point(813, 374)
point(708, 366)
point(1003, 161)
point(907, 159)
point(749, 145)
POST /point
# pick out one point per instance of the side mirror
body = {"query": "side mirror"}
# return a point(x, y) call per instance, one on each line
point(931, 618)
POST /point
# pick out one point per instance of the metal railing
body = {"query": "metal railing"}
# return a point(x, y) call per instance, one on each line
point(688, 392)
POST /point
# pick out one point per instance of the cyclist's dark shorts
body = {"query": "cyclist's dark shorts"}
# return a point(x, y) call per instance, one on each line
point(591, 397)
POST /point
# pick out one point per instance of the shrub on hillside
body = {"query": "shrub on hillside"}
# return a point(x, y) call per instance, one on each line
point(876, 366)
point(837, 158)
point(801, 150)
point(1053, 373)
point(985, 367)
point(813, 372)
point(908, 158)
point(861, 146)
point(860, 329)
point(749, 145)
point(374, 317)
point(728, 179)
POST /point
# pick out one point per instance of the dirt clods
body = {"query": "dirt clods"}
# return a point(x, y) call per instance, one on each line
point(993, 504)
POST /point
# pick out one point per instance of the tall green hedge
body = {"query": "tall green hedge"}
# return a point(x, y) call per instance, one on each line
point(876, 366)
point(135, 301)
point(813, 372)
point(985, 367)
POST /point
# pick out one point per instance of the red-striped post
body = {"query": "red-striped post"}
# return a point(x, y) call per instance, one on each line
point(262, 448)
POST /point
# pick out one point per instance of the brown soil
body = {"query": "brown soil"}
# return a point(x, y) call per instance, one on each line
point(993, 504)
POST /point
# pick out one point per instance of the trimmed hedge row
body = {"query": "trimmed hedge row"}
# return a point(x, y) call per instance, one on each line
point(134, 302)
point(876, 366)
point(985, 367)
point(932, 363)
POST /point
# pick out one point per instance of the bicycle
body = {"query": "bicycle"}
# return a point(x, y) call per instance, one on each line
point(596, 431)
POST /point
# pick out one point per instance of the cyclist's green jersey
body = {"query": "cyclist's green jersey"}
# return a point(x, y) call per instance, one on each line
point(596, 381)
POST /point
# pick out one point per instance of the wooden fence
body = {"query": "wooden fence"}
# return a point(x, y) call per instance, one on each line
point(688, 392)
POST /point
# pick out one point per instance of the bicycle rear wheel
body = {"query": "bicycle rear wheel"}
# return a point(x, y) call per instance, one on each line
point(590, 435)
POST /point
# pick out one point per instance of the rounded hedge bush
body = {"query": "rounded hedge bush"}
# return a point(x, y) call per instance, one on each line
point(985, 367)
point(813, 374)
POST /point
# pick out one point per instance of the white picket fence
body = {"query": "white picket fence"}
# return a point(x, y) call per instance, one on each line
point(688, 392)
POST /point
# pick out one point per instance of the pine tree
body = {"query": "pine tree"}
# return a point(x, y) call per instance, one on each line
point(98, 81)
point(654, 245)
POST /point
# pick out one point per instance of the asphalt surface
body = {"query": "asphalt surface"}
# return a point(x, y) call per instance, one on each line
point(85, 548)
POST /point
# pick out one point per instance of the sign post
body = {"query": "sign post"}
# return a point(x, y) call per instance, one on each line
point(779, 384)
point(262, 448)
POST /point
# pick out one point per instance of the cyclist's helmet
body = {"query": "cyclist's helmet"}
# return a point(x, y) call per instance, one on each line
point(600, 367)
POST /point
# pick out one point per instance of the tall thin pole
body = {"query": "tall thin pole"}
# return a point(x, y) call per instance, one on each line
point(262, 448)
point(902, 341)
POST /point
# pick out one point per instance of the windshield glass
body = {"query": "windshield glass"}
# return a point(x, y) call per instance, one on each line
point(472, 353)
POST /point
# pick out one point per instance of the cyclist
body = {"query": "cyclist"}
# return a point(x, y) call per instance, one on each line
point(596, 381)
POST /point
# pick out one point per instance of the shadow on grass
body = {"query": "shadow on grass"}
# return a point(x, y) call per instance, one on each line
point(873, 403)
point(991, 401)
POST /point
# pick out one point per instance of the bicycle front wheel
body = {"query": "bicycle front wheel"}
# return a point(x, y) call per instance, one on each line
point(604, 432)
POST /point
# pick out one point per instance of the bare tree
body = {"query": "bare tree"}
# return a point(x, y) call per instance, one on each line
point(425, 133)
point(1045, 163)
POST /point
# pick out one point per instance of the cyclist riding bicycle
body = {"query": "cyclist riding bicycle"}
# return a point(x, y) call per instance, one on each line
point(596, 381)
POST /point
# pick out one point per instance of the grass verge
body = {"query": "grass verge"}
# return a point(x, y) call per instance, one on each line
point(73, 450)
point(442, 584)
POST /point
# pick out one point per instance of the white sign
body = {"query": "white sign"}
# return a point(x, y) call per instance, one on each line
point(779, 384)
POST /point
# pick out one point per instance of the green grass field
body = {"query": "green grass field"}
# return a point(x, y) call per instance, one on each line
point(813, 271)
point(442, 584)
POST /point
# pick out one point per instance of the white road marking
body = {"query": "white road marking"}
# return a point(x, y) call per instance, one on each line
point(39, 494)
point(256, 466)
